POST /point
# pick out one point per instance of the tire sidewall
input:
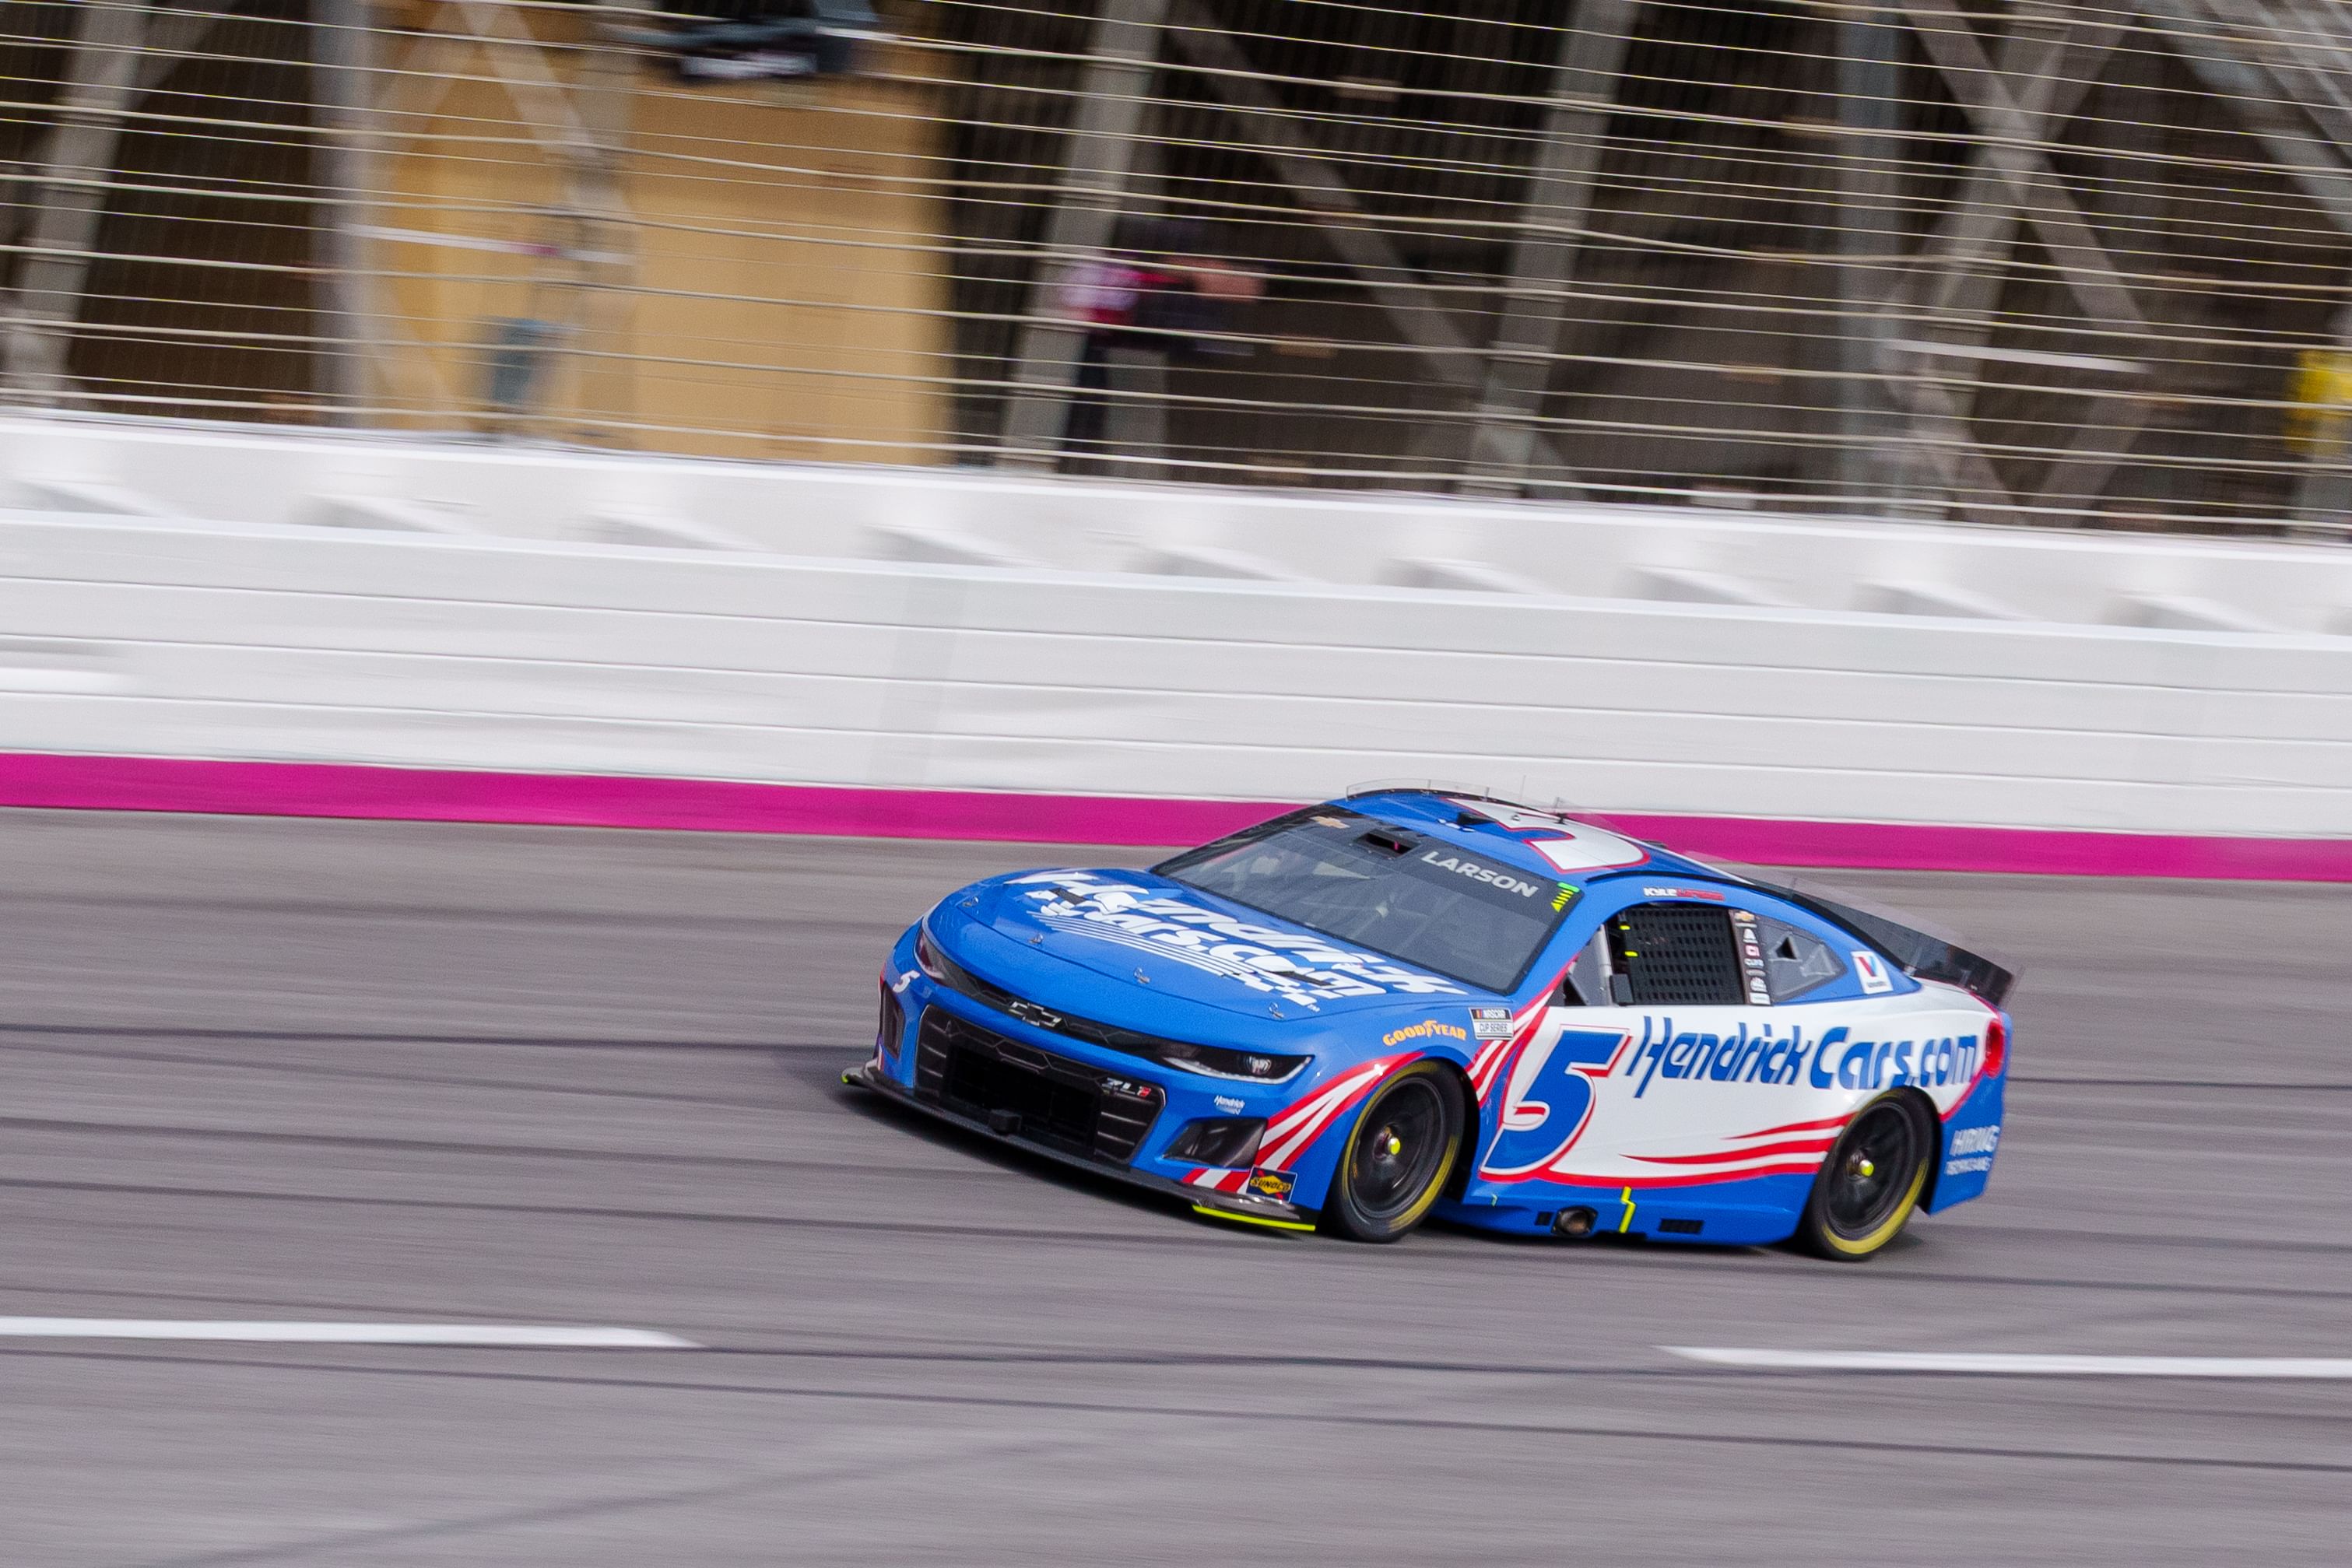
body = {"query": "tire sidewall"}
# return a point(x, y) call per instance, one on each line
point(1341, 1214)
point(1814, 1232)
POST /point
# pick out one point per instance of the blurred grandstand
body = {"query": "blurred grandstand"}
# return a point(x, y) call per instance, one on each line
point(2021, 261)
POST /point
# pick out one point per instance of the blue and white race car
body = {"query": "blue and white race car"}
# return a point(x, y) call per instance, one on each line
point(1410, 1002)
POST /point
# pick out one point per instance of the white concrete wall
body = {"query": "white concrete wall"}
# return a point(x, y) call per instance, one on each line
point(1645, 554)
point(161, 637)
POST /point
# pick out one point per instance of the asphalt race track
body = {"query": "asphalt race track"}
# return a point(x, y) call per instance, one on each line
point(367, 1072)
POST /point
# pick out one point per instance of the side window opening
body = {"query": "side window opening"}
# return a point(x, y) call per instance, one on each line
point(1795, 962)
point(1586, 984)
point(1674, 955)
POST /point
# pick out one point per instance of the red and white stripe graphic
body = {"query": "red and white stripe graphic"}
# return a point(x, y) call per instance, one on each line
point(1794, 1148)
point(1217, 1180)
point(1826, 1124)
point(1487, 1068)
point(1687, 1179)
point(1769, 1152)
point(1486, 1064)
point(1289, 1133)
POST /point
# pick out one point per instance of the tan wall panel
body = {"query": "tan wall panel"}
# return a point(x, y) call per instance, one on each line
point(783, 295)
point(462, 162)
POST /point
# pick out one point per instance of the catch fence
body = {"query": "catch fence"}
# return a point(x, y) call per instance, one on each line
point(2021, 261)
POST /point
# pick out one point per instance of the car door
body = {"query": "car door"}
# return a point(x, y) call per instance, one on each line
point(1657, 1056)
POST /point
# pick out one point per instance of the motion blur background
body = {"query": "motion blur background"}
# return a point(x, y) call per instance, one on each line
point(2045, 261)
point(1907, 438)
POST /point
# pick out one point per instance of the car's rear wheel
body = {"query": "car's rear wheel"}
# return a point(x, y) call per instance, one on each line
point(1869, 1186)
point(1397, 1159)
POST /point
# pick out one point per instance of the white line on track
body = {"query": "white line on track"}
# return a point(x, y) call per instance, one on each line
point(530, 1336)
point(1997, 1363)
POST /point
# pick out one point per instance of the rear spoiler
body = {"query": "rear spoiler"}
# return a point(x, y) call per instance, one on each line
point(1915, 952)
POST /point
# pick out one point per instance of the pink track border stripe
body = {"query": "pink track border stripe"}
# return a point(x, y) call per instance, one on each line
point(721, 806)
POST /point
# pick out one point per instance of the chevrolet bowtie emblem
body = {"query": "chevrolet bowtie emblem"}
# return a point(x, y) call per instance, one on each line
point(1030, 1013)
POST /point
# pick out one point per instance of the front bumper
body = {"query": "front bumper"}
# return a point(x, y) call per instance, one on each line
point(1238, 1207)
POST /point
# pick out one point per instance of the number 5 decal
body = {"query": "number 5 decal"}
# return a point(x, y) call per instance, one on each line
point(1547, 1099)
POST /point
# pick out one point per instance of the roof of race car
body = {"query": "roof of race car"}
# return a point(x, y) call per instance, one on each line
point(1531, 838)
point(1552, 844)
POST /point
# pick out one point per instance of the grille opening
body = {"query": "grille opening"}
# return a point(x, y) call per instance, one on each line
point(1049, 1112)
point(1682, 1227)
point(1120, 1121)
point(892, 1032)
point(1063, 1103)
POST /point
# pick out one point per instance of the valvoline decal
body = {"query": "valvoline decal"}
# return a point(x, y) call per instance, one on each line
point(1831, 1059)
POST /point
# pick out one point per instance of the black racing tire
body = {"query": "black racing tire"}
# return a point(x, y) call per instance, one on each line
point(1871, 1184)
point(1398, 1158)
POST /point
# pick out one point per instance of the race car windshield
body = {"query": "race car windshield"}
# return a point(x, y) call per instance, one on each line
point(1386, 888)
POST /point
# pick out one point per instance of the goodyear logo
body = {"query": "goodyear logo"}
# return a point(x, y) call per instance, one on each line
point(1423, 1030)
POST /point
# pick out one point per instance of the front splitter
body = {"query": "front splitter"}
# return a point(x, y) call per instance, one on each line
point(1264, 1212)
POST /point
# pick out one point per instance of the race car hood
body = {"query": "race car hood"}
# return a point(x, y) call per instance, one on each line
point(1146, 931)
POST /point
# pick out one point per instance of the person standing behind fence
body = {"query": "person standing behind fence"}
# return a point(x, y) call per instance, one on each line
point(1161, 297)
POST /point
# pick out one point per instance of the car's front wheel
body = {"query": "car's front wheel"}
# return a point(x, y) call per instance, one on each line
point(1870, 1185)
point(1397, 1159)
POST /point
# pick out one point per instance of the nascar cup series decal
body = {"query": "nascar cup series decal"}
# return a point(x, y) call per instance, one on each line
point(1297, 966)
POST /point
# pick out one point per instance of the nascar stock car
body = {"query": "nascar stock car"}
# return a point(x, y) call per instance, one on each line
point(1411, 1002)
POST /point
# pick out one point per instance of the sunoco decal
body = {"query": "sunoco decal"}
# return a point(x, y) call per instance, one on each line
point(1263, 1182)
point(1297, 966)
